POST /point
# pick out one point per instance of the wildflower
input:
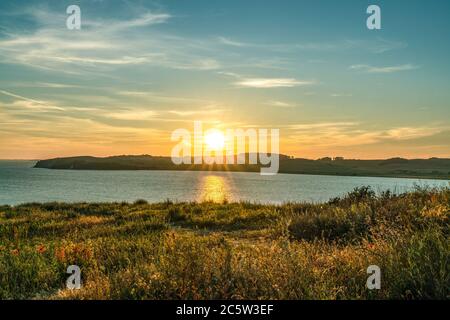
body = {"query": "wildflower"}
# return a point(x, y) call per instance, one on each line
point(41, 249)
point(437, 211)
point(155, 276)
point(60, 254)
point(15, 252)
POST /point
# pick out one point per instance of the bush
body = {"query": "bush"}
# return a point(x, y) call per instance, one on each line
point(333, 224)
point(140, 202)
point(419, 267)
point(175, 214)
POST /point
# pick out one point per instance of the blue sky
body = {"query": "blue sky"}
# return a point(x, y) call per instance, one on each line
point(137, 70)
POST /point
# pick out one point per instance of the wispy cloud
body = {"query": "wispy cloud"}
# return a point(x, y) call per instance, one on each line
point(229, 42)
point(47, 85)
point(198, 64)
point(387, 69)
point(146, 19)
point(30, 103)
point(349, 133)
point(102, 45)
point(375, 46)
point(123, 60)
point(407, 133)
point(265, 83)
point(230, 74)
point(202, 112)
point(323, 125)
point(281, 104)
point(330, 134)
point(13, 95)
point(340, 95)
point(136, 114)
point(149, 95)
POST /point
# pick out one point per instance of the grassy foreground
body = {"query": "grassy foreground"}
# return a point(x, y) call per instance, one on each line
point(230, 251)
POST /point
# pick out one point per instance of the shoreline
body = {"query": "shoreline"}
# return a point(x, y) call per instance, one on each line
point(433, 168)
point(255, 172)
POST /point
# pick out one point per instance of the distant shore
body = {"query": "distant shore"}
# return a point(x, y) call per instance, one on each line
point(434, 168)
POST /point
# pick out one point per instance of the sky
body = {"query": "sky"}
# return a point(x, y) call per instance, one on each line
point(138, 70)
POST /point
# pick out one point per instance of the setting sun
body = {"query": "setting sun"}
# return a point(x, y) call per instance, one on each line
point(215, 140)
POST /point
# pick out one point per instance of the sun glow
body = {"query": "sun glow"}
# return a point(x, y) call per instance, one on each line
point(214, 188)
point(215, 140)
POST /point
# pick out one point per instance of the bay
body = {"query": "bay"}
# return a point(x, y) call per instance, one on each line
point(21, 183)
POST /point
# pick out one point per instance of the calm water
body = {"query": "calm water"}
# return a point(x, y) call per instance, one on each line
point(20, 183)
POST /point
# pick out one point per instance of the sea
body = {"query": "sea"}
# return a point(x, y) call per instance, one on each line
point(21, 183)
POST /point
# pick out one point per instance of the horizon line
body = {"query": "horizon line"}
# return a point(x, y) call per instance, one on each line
point(290, 157)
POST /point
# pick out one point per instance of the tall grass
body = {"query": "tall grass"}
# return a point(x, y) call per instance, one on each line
point(230, 250)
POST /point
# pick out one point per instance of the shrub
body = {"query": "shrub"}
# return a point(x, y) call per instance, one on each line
point(419, 267)
point(175, 214)
point(332, 224)
point(140, 202)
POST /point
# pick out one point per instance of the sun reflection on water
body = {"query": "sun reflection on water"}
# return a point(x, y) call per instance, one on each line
point(214, 188)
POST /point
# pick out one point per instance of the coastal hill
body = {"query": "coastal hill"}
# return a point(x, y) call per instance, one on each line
point(434, 168)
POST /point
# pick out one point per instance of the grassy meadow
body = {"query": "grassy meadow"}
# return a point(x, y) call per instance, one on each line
point(230, 250)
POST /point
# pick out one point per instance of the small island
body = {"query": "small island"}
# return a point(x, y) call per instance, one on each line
point(433, 168)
